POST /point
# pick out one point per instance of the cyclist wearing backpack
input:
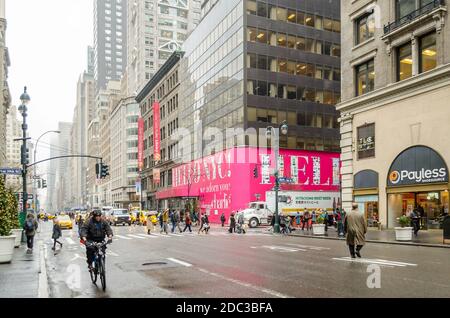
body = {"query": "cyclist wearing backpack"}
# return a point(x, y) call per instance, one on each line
point(95, 230)
point(30, 228)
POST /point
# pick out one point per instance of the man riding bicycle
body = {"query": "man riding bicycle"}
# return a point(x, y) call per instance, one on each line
point(95, 230)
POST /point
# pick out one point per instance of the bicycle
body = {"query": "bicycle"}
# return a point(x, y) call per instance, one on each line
point(100, 262)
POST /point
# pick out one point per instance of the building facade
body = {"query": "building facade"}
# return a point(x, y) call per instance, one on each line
point(253, 64)
point(155, 30)
point(93, 150)
point(13, 131)
point(84, 113)
point(162, 88)
point(124, 153)
point(394, 110)
point(5, 96)
point(62, 175)
point(110, 41)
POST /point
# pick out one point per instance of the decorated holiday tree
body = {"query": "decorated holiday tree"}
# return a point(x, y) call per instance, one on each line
point(6, 223)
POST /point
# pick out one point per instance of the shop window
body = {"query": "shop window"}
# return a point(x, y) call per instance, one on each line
point(272, 116)
point(365, 78)
point(404, 62)
point(301, 143)
point(428, 52)
point(366, 141)
point(261, 115)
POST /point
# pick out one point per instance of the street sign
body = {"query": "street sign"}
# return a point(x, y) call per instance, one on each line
point(13, 171)
point(285, 180)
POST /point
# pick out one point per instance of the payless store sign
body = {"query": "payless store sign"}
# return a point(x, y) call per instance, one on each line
point(418, 165)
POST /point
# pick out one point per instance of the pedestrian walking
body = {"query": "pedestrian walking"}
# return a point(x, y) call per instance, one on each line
point(356, 228)
point(223, 219)
point(202, 219)
point(241, 223)
point(232, 224)
point(57, 233)
point(187, 222)
point(172, 220)
point(150, 226)
point(165, 217)
point(297, 219)
point(283, 224)
point(205, 224)
point(415, 221)
point(306, 218)
point(30, 228)
point(177, 217)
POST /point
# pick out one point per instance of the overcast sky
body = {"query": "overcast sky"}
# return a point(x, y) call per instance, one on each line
point(47, 42)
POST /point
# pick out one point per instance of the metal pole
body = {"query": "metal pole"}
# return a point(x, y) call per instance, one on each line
point(24, 167)
point(276, 228)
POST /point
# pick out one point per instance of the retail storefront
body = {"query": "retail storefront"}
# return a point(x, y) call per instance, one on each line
point(418, 179)
point(366, 195)
point(229, 180)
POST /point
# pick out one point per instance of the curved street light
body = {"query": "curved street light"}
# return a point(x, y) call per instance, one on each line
point(284, 128)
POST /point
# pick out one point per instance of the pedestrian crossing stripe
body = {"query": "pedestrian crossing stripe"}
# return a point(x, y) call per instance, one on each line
point(147, 236)
point(135, 236)
point(374, 261)
point(123, 237)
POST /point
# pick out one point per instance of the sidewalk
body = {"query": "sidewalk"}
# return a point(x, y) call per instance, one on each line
point(430, 238)
point(20, 278)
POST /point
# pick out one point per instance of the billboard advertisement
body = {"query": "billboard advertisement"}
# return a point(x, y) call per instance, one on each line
point(140, 143)
point(156, 132)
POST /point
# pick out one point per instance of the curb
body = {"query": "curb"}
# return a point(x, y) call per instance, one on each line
point(43, 278)
point(375, 241)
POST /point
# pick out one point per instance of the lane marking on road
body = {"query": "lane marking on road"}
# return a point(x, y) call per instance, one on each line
point(146, 236)
point(280, 248)
point(178, 235)
point(316, 248)
point(248, 285)
point(123, 237)
point(374, 261)
point(70, 241)
point(179, 262)
point(135, 236)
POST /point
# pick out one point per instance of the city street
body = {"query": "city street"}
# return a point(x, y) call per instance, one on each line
point(255, 265)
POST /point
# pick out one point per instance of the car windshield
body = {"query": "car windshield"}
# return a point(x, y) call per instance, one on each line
point(120, 212)
point(253, 205)
point(64, 218)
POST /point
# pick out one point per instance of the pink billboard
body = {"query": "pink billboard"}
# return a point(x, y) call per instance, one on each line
point(140, 143)
point(225, 182)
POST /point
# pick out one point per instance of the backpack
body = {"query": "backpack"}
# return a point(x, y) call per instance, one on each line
point(29, 226)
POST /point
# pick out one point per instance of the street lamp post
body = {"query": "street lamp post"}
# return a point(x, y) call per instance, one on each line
point(34, 158)
point(284, 131)
point(25, 99)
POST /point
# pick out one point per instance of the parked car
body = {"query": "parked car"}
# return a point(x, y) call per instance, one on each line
point(119, 216)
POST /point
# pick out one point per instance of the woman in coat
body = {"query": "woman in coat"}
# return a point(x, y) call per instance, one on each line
point(57, 233)
point(232, 224)
point(150, 226)
point(356, 228)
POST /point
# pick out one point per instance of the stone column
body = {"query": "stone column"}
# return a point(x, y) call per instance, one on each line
point(346, 121)
point(415, 55)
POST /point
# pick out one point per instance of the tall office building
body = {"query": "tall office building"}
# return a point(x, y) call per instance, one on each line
point(62, 176)
point(110, 41)
point(51, 174)
point(395, 110)
point(252, 64)
point(5, 98)
point(155, 30)
point(13, 131)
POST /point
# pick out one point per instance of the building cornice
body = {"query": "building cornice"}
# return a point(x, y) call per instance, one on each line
point(416, 85)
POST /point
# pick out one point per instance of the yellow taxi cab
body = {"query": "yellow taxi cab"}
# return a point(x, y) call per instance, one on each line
point(133, 217)
point(65, 222)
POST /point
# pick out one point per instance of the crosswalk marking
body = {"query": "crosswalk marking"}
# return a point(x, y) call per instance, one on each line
point(147, 236)
point(123, 237)
point(279, 248)
point(374, 261)
point(135, 236)
point(70, 241)
point(179, 262)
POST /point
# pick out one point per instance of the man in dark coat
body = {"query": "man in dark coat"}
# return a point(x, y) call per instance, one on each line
point(30, 227)
point(232, 224)
point(95, 230)
point(356, 228)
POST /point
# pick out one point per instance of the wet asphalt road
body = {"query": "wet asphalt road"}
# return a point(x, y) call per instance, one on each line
point(254, 265)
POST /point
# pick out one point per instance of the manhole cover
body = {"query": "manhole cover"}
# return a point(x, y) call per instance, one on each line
point(154, 263)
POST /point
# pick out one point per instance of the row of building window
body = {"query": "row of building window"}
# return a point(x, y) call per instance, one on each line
point(365, 72)
point(294, 118)
point(301, 93)
point(292, 67)
point(265, 10)
point(280, 39)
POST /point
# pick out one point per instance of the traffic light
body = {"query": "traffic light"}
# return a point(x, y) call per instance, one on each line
point(25, 155)
point(104, 171)
point(255, 172)
point(98, 168)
